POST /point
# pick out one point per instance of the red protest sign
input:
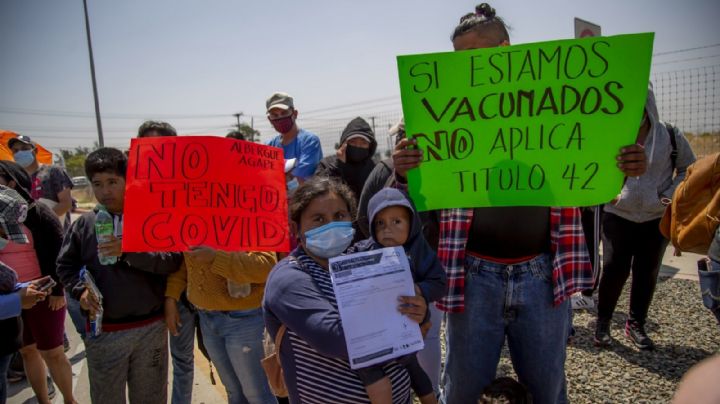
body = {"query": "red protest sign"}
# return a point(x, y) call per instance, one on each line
point(203, 190)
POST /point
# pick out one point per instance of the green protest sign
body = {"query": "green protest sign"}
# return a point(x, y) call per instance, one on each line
point(526, 125)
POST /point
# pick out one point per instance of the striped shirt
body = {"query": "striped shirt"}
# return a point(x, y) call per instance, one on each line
point(315, 377)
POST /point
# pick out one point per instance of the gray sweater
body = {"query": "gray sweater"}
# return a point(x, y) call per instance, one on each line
point(640, 198)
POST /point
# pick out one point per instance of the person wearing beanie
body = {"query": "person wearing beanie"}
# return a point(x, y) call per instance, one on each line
point(353, 161)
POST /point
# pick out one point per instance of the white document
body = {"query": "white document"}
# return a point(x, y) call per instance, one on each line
point(367, 286)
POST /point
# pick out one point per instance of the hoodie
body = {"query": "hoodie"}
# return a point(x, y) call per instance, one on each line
point(133, 288)
point(42, 222)
point(427, 272)
point(640, 198)
point(353, 174)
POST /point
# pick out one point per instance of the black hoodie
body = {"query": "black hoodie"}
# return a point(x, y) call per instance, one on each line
point(133, 288)
point(353, 174)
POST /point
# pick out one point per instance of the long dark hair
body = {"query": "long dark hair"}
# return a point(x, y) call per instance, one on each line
point(484, 23)
point(318, 186)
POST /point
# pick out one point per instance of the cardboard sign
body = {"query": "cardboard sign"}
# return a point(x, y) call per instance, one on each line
point(528, 125)
point(203, 190)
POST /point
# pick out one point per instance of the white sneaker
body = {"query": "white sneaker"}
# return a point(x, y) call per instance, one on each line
point(582, 302)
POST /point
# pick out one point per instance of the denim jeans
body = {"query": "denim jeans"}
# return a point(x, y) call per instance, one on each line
point(4, 364)
point(234, 340)
point(710, 286)
point(429, 357)
point(513, 301)
point(181, 350)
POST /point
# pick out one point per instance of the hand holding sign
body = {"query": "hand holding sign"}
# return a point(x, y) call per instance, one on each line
point(406, 156)
point(538, 124)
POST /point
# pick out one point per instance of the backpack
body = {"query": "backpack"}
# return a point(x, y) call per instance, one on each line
point(692, 218)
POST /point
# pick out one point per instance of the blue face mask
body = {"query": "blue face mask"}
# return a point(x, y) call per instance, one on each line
point(3, 243)
point(24, 157)
point(329, 240)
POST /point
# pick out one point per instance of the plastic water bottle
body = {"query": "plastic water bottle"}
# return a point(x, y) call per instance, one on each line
point(104, 229)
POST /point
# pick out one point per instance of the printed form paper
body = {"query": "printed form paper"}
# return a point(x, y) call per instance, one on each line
point(367, 286)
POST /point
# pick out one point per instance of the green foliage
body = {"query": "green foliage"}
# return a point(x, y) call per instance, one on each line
point(75, 160)
point(251, 134)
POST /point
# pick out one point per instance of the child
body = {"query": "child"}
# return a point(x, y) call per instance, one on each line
point(393, 223)
point(131, 352)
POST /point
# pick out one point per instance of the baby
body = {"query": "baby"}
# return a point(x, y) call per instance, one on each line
point(393, 223)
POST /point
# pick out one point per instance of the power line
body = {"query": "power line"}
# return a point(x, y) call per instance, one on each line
point(75, 114)
point(686, 60)
point(382, 100)
point(685, 50)
point(130, 131)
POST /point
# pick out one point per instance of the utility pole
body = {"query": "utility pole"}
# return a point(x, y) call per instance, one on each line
point(238, 115)
point(101, 142)
point(372, 119)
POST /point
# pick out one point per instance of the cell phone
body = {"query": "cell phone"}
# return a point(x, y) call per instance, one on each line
point(47, 285)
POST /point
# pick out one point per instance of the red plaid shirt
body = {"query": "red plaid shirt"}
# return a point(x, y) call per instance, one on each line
point(572, 271)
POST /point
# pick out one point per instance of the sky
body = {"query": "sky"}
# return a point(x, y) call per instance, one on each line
point(196, 63)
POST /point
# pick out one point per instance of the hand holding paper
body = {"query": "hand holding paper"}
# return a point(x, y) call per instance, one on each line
point(368, 287)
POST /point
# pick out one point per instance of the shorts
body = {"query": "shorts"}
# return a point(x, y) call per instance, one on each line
point(43, 326)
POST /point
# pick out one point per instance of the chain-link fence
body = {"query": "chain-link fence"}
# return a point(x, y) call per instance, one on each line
point(690, 99)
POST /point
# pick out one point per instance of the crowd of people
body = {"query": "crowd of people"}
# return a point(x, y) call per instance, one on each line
point(490, 275)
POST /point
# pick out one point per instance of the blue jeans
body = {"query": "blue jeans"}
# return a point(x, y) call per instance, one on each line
point(710, 286)
point(181, 350)
point(513, 301)
point(234, 340)
point(4, 364)
point(78, 320)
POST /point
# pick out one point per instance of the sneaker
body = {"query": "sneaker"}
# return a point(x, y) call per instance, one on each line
point(51, 388)
point(602, 333)
point(13, 376)
point(636, 333)
point(582, 302)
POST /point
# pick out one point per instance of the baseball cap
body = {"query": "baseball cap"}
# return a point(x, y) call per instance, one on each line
point(13, 210)
point(280, 100)
point(22, 139)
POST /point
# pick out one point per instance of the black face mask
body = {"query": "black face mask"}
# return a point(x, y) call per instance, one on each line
point(356, 154)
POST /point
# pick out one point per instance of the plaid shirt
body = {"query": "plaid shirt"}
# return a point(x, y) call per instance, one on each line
point(572, 271)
